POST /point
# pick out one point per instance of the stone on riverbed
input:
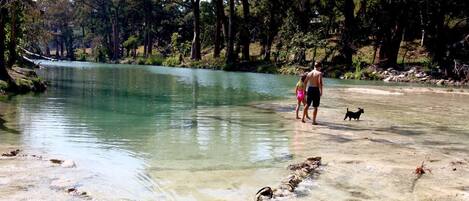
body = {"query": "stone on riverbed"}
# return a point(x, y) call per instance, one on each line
point(300, 172)
point(68, 164)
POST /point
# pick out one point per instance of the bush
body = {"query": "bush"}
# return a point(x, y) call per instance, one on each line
point(172, 61)
point(100, 53)
point(81, 56)
point(141, 61)
point(154, 60)
point(3, 85)
point(349, 75)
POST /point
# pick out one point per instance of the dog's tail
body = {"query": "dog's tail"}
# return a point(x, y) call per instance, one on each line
point(347, 109)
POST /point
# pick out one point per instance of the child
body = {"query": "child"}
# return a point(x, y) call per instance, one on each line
point(300, 93)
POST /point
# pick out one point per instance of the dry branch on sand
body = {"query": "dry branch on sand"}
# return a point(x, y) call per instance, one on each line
point(419, 171)
point(300, 172)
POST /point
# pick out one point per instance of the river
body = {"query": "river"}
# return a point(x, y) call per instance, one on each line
point(158, 133)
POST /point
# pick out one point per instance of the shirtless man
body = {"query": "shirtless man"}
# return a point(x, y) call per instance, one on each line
point(314, 91)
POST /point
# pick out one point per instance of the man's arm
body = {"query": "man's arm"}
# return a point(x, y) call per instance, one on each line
point(305, 83)
point(320, 83)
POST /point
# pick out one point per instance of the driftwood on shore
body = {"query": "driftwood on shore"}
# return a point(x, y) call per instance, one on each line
point(299, 172)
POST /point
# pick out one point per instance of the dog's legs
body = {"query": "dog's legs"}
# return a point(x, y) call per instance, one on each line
point(345, 117)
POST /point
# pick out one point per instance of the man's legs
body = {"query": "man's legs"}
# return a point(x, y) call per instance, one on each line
point(315, 113)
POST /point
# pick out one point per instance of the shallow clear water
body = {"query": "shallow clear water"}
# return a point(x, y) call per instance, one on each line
point(146, 132)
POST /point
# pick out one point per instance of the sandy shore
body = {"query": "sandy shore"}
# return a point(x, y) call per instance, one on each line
point(375, 158)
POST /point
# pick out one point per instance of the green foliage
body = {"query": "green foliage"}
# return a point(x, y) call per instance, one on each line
point(178, 47)
point(154, 60)
point(428, 65)
point(131, 43)
point(141, 61)
point(172, 61)
point(3, 86)
point(81, 56)
point(100, 53)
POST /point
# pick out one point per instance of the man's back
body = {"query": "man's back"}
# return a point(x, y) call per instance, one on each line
point(314, 78)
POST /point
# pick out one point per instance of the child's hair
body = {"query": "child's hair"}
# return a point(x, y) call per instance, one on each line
point(303, 77)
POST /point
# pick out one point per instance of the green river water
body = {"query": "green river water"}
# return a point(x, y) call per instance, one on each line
point(158, 133)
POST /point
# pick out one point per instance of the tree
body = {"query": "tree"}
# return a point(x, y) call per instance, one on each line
point(220, 18)
point(346, 42)
point(391, 17)
point(3, 18)
point(14, 27)
point(195, 48)
point(230, 56)
point(245, 35)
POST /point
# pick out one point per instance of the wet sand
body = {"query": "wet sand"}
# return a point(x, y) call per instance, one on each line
point(371, 159)
point(375, 158)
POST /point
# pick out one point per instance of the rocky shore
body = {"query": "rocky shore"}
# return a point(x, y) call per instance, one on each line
point(417, 75)
point(23, 80)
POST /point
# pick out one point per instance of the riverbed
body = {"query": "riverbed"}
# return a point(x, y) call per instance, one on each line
point(157, 133)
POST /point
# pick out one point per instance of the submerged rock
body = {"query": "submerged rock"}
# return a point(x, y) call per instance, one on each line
point(68, 164)
point(300, 172)
point(11, 153)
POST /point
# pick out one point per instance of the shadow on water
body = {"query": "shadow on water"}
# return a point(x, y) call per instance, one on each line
point(6, 129)
point(343, 127)
point(400, 131)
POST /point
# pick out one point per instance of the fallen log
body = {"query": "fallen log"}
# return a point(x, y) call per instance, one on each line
point(299, 172)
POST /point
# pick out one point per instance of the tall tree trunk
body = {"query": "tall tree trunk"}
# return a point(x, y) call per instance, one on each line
point(47, 50)
point(12, 56)
point(230, 57)
point(271, 33)
point(62, 46)
point(195, 48)
point(83, 39)
point(57, 45)
point(3, 71)
point(145, 41)
point(115, 38)
point(150, 44)
point(268, 48)
point(389, 47)
point(244, 34)
point(347, 35)
point(390, 35)
point(218, 27)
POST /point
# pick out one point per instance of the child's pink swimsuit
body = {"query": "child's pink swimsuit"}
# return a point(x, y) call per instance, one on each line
point(300, 95)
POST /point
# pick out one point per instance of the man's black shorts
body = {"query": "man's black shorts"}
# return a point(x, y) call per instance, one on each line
point(313, 96)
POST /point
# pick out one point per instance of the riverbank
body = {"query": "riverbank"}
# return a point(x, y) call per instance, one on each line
point(23, 80)
point(414, 74)
point(409, 74)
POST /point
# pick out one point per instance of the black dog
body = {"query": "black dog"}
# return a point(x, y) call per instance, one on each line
point(354, 115)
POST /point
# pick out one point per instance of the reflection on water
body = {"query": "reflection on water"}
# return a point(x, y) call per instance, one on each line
point(180, 134)
point(126, 122)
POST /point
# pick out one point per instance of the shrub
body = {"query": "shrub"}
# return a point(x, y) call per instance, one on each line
point(172, 61)
point(3, 85)
point(141, 61)
point(154, 60)
point(100, 53)
point(349, 75)
point(81, 56)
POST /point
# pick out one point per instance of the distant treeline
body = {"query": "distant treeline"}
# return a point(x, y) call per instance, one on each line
point(285, 31)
